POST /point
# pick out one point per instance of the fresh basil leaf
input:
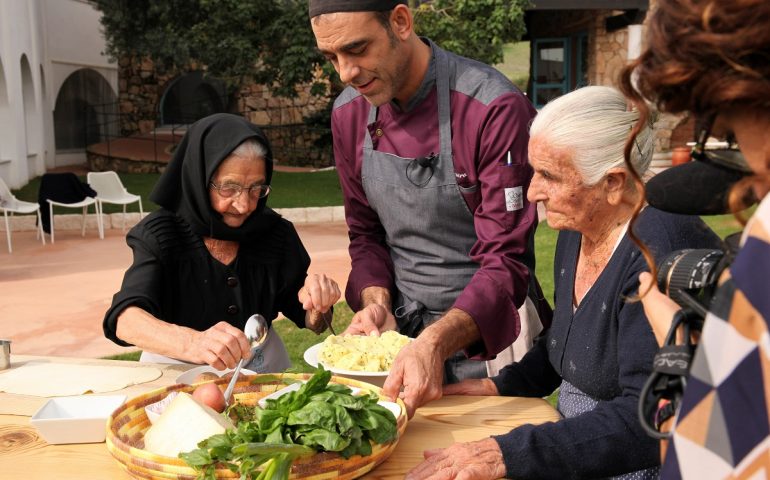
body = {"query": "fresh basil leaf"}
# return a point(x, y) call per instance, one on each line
point(320, 414)
point(385, 429)
point(344, 421)
point(317, 383)
point(329, 441)
point(196, 458)
point(380, 410)
point(269, 420)
point(339, 388)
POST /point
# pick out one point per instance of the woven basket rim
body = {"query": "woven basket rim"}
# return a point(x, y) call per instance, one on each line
point(141, 463)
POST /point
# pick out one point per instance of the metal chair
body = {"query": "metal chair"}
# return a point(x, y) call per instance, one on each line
point(109, 189)
point(10, 204)
point(66, 190)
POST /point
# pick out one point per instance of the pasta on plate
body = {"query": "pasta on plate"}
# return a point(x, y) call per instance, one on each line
point(362, 353)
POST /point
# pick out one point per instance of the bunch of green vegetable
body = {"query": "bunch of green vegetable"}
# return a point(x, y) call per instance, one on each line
point(317, 417)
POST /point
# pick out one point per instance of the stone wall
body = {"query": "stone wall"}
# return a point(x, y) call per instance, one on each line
point(141, 87)
point(609, 52)
point(294, 141)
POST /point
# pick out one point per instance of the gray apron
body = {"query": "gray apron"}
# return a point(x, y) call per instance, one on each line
point(429, 228)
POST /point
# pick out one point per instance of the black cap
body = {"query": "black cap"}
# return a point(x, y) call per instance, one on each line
point(699, 187)
point(319, 7)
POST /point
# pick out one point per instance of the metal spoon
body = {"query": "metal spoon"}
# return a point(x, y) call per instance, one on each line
point(256, 332)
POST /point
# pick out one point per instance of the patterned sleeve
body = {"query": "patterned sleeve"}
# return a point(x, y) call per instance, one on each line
point(728, 390)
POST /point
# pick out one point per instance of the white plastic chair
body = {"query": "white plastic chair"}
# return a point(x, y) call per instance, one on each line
point(66, 187)
point(109, 189)
point(10, 204)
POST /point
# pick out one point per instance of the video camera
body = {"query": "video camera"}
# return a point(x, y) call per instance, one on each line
point(689, 277)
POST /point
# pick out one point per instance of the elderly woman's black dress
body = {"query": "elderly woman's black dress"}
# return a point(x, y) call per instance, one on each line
point(173, 275)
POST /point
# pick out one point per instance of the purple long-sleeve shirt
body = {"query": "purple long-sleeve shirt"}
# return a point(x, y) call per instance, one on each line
point(490, 118)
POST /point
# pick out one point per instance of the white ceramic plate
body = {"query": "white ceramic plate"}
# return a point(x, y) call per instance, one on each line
point(311, 357)
point(394, 408)
point(188, 376)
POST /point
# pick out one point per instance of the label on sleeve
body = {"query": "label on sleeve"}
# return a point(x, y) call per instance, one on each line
point(514, 198)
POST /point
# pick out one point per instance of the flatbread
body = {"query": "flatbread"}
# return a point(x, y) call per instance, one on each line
point(62, 379)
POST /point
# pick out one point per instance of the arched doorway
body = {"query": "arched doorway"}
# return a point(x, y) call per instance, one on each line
point(191, 97)
point(85, 111)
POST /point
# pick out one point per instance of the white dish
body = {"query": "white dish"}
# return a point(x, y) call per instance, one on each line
point(189, 376)
point(77, 419)
point(375, 378)
point(394, 408)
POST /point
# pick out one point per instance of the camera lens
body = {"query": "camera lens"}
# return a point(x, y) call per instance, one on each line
point(688, 269)
point(688, 276)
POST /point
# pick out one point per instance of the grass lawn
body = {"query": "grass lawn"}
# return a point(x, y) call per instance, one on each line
point(515, 64)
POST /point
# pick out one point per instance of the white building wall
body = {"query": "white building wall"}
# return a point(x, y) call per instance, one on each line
point(55, 38)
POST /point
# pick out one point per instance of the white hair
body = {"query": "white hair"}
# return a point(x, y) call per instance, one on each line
point(250, 148)
point(594, 124)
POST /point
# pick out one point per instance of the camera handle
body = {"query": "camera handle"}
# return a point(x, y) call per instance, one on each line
point(682, 296)
point(668, 379)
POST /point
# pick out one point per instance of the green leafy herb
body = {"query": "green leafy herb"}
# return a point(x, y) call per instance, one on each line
point(316, 417)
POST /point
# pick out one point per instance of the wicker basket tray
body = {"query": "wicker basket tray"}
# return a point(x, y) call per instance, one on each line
point(127, 425)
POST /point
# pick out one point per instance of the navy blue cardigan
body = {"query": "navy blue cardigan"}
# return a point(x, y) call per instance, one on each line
point(605, 349)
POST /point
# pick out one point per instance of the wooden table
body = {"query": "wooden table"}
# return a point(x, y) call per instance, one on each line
point(23, 454)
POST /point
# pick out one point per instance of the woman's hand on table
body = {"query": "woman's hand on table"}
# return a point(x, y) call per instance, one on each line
point(480, 460)
point(371, 320)
point(472, 386)
point(220, 346)
point(658, 308)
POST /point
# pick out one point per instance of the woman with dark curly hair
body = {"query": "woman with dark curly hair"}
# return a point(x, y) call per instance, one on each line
point(712, 58)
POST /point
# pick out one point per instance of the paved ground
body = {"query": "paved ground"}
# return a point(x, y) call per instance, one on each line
point(53, 297)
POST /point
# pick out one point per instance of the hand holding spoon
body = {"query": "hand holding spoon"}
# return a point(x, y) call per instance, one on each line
point(256, 332)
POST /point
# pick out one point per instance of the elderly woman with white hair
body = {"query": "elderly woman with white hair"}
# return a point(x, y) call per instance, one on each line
point(599, 349)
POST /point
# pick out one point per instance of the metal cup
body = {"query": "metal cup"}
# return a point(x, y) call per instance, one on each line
point(5, 354)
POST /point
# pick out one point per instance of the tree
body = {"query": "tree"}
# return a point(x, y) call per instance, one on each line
point(476, 29)
point(271, 42)
point(268, 41)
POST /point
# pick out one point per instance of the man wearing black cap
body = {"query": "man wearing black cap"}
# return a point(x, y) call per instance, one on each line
point(431, 149)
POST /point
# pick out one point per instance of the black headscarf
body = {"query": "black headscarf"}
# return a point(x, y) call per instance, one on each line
point(184, 186)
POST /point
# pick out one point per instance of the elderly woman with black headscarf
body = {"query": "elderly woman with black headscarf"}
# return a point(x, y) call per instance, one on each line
point(213, 255)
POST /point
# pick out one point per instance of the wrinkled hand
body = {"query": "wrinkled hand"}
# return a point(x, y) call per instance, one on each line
point(221, 346)
point(419, 369)
point(319, 293)
point(371, 320)
point(481, 460)
point(658, 308)
point(472, 386)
